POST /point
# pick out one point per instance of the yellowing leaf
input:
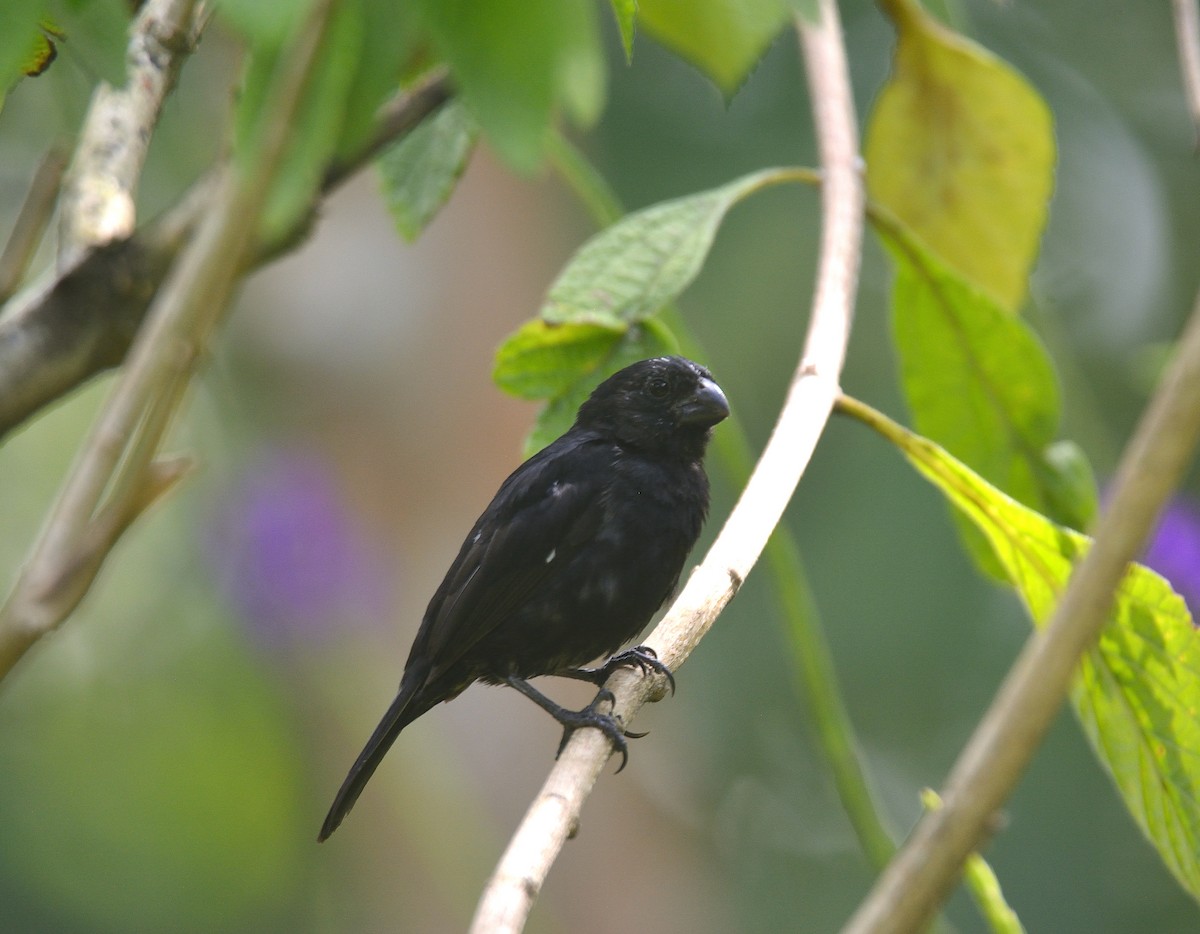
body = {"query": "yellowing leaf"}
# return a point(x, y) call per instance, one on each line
point(961, 148)
point(1137, 692)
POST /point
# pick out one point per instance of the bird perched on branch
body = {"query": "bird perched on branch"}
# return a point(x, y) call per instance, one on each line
point(580, 547)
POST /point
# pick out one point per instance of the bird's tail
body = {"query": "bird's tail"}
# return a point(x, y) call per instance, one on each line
point(403, 710)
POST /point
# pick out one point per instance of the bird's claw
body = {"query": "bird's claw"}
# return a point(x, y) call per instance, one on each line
point(642, 657)
point(606, 723)
point(646, 660)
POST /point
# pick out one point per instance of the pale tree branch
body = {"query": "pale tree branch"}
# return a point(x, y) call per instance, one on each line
point(115, 476)
point(1187, 42)
point(100, 193)
point(32, 221)
point(554, 815)
point(990, 765)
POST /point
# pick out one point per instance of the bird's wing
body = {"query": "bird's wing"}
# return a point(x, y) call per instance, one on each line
point(551, 506)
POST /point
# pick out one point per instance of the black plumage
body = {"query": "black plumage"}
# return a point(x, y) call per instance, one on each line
point(579, 548)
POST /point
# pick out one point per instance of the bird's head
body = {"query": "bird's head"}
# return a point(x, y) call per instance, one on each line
point(667, 404)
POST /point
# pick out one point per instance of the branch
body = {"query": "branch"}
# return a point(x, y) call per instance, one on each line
point(32, 221)
point(554, 815)
point(1187, 41)
point(99, 198)
point(118, 456)
point(994, 758)
point(60, 333)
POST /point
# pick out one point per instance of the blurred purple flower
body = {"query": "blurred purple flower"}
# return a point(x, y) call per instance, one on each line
point(1174, 551)
point(289, 555)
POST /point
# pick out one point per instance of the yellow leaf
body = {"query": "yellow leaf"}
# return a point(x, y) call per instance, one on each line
point(961, 148)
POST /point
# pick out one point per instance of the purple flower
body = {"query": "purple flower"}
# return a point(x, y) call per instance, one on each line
point(290, 556)
point(1174, 551)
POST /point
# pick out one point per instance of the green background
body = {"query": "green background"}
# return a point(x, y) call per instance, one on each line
point(165, 760)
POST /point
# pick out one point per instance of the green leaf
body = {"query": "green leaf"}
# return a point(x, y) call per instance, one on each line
point(420, 172)
point(582, 74)
point(19, 36)
point(651, 338)
point(597, 316)
point(1069, 485)
point(961, 148)
point(264, 25)
point(317, 127)
point(978, 382)
point(389, 37)
point(1137, 693)
point(723, 38)
point(626, 13)
point(542, 360)
point(515, 61)
point(629, 270)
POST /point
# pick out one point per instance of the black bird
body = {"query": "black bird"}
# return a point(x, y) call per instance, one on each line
point(581, 545)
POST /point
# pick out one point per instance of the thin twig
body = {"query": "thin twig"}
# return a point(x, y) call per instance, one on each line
point(32, 221)
point(1001, 747)
point(554, 814)
point(1187, 41)
point(118, 454)
point(99, 198)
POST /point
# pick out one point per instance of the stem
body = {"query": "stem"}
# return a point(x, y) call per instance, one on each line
point(31, 221)
point(585, 182)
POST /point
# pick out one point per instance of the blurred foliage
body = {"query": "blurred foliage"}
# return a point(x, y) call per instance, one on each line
point(419, 173)
point(165, 759)
point(723, 38)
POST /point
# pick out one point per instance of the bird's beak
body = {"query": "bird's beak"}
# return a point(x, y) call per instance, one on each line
point(706, 407)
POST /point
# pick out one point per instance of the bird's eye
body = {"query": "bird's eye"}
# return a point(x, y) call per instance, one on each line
point(658, 387)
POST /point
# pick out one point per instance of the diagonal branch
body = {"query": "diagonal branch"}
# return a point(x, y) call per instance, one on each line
point(554, 815)
point(57, 334)
point(1003, 744)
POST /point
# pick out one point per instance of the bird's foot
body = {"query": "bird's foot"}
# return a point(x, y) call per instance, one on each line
point(606, 723)
point(572, 720)
point(642, 657)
